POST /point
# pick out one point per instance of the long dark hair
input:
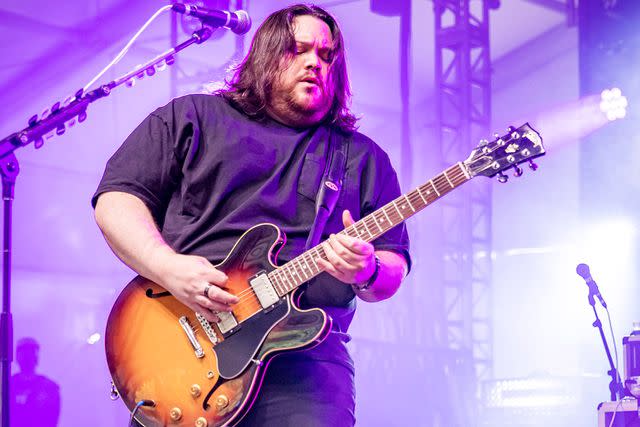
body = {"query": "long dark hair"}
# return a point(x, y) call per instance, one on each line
point(251, 86)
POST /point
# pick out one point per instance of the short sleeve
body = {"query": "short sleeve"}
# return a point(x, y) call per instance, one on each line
point(143, 166)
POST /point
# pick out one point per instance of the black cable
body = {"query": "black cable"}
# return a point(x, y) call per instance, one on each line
point(618, 380)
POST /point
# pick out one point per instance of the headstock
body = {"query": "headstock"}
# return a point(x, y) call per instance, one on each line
point(492, 158)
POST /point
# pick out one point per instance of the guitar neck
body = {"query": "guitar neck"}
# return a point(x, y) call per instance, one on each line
point(304, 267)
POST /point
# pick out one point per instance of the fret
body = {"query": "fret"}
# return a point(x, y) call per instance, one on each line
point(362, 230)
point(384, 211)
point(454, 171)
point(301, 268)
point(313, 260)
point(434, 187)
point(396, 206)
point(441, 184)
point(277, 279)
point(282, 286)
point(276, 282)
point(294, 270)
point(366, 228)
point(320, 252)
point(448, 180)
point(421, 196)
point(289, 280)
point(409, 202)
point(376, 222)
point(309, 261)
point(356, 230)
point(307, 264)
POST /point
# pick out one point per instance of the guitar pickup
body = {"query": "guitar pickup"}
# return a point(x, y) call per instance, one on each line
point(227, 322)
point(264, 290)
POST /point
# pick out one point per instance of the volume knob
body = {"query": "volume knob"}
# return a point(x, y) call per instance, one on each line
point(195, 391)
point(175, 414)
point(222, 401)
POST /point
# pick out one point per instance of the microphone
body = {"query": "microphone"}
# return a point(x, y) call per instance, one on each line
point(583, 271)
point(238, 21)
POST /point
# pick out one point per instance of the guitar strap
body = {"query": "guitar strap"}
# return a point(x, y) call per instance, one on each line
point(330, 186)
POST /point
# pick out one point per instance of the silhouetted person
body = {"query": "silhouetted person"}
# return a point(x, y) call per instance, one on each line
point(35, 399)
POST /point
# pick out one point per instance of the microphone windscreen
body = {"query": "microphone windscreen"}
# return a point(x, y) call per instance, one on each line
point(583, 270)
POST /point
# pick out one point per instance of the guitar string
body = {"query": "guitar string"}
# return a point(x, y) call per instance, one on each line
point(415, 198)
point(457, 178)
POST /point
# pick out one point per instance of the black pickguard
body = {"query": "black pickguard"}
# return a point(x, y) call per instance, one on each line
point(236, 351)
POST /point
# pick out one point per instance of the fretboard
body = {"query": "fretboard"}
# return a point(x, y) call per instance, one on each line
point(304, 267)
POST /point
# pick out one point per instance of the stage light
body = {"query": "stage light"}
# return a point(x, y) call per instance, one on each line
point(613, 104)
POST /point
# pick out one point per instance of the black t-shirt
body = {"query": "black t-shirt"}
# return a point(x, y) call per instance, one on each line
point(208, 173)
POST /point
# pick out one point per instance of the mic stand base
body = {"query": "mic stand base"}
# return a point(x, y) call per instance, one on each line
point(615, 388)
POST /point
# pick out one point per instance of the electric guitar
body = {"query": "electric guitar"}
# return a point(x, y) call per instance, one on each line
point(179, 369)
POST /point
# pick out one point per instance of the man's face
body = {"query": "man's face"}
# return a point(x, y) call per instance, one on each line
point(303, 93)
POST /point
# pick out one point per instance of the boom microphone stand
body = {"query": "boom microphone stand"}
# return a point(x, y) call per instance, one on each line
point(615, 386)
point(37, 131)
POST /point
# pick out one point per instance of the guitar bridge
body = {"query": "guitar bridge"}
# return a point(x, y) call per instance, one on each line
point(191, 335)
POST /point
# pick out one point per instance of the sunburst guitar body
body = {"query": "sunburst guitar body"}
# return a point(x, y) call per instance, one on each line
point(197, 373)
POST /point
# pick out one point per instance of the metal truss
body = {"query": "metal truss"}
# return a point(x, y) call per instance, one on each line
point(463, 92)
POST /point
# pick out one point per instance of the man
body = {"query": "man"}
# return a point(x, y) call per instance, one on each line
point(33, 396)
point(199, 172)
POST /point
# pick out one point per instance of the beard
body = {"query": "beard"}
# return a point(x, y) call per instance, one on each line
point(301, 102)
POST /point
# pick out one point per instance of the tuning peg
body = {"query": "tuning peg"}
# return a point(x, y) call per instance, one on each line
point(33, 120)
point(502, 178)
point(532, 165)
point(517, 171)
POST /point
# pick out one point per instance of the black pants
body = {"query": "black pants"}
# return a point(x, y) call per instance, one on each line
point(298, 391)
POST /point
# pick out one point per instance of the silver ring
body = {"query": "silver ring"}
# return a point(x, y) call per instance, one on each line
point(206, 289)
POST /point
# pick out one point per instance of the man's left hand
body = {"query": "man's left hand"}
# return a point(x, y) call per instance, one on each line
point(350, 260)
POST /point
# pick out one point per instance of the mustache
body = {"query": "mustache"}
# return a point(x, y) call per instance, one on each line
point(311, 78)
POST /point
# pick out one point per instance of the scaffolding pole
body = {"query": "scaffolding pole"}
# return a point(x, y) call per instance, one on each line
point(463, 96)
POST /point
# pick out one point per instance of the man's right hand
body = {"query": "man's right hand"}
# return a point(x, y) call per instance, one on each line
point(132, 234)
point(188, 276)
